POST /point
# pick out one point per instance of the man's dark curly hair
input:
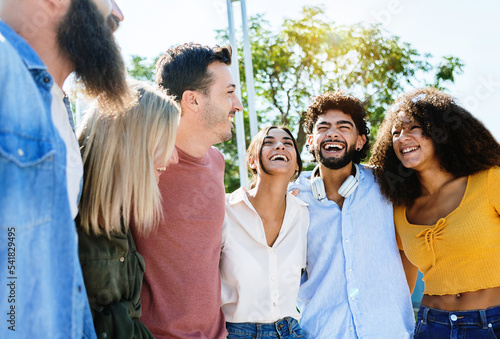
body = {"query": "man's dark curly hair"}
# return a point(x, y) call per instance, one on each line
point(184, 67)
point(461, 142)
point(345, 103)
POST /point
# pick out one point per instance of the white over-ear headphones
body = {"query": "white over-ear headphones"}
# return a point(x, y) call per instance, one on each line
point(345, 190)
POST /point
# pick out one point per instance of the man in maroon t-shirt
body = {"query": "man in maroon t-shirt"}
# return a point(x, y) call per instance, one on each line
point(181, 291)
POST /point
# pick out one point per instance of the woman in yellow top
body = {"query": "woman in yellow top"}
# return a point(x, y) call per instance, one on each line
point(439, 167)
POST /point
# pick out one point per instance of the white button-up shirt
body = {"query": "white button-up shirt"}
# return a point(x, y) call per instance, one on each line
point(261, 283)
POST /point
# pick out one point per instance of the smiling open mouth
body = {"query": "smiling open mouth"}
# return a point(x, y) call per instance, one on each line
point(333, 146)
point(409, 150)
point(279, 157)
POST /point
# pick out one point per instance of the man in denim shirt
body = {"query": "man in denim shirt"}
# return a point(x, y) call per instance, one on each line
point(354, 285)
point(42, 294)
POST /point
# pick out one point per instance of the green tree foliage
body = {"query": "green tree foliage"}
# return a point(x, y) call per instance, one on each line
point(307, 56)
point(141, 69)
point(312, 54)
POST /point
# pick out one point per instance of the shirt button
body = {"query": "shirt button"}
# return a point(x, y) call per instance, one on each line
point(272, 278)
point(122, 259)
point(46, 80)
point(20, 152)
point(349, 270)
point(350, 328)
point(353, 298)
point(275, 304)
point(347, 240)
point(453, 317)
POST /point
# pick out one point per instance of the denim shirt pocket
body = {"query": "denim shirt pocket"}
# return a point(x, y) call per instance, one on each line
point(26, 179)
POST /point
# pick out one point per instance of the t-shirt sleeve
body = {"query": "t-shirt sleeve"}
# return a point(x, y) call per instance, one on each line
point(494, 187)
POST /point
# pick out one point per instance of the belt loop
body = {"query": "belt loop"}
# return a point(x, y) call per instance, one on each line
point(277, 325)
point(290, 329)
point(424, 315)
point(484, 320)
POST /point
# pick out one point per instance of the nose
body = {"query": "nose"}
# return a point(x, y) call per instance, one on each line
point(237, 106)
point(332, 133)
point(174, 158)
point(116, 11)
point(403, 135)
point(279, 145)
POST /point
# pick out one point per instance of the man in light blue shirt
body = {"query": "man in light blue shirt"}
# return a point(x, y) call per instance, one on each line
point(354, 285)
point(42, 293)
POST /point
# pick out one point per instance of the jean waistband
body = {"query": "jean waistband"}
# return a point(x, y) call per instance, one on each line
point(457, 318)
point(281, 326)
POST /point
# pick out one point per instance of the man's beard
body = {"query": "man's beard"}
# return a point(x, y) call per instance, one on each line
point(215, 119)
point(86, 39)
point(335, 163)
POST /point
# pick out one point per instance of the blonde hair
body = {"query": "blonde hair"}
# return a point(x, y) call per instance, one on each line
point(119, 151)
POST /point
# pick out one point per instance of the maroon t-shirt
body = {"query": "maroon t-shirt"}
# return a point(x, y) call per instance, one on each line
point(181, 291)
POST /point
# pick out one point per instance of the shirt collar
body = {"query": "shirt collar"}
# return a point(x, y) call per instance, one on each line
point(25, 51)
point(306, 175)
point(240, 196)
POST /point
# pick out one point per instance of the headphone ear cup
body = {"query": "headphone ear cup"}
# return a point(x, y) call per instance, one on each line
point(350, 184)
point(318, 188)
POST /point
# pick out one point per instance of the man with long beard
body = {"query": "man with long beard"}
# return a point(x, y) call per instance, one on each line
point(354, 285)
point(41, 43)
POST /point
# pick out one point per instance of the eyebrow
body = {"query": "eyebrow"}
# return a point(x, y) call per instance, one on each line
point(271, 137)
point(343, 122)
point(340, 122)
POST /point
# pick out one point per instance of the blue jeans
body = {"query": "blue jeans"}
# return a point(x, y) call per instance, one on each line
point(284, 328)
point(436, 324)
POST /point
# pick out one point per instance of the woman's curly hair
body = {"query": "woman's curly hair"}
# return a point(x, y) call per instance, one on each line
point(461, 142)
point(346, 103)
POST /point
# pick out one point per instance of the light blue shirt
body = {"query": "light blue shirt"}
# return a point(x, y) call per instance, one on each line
point(42, 294)
point(354, 285)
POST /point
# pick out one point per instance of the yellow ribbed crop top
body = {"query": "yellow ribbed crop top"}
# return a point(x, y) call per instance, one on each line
point(461, 252)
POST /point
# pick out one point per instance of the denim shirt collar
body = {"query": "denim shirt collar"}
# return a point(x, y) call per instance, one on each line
point(25, 51)
point(31, 60)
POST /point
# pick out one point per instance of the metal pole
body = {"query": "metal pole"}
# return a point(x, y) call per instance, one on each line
point(247, 52)
point(240, 129)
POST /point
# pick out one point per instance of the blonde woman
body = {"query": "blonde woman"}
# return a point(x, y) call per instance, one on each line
point(123, 156)
point(264, 238)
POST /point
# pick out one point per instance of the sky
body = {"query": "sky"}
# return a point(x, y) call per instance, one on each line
point(469, 30)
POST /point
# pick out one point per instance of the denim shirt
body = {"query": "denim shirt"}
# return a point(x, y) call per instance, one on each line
point(354, 285)
point(42, 294)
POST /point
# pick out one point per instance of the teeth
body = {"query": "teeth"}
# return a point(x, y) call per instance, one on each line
point(231, 118)
point(334, 146)
point(279, 157)
point(408, 150)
